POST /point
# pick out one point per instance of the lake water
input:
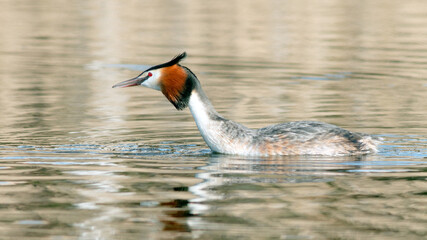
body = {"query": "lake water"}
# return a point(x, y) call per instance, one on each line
point(80, 160)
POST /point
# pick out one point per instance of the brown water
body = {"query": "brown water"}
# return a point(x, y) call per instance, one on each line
point(80, 160)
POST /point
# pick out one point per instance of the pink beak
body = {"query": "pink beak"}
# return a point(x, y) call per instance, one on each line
point(130, 83)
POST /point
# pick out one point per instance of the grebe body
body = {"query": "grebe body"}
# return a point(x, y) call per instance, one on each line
point(182, 88)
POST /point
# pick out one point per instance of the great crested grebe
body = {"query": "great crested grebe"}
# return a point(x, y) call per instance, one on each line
point(182, 88)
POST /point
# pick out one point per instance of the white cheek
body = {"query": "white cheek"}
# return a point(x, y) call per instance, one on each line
point(153, 81)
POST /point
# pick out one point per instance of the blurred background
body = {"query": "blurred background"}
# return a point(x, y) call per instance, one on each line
point(360, 64)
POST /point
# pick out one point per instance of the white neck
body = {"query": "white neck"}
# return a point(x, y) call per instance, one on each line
point(221, 135)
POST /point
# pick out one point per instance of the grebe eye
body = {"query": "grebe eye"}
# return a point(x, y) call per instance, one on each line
point(150, 74)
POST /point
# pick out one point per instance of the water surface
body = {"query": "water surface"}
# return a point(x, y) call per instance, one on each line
point(80, 160)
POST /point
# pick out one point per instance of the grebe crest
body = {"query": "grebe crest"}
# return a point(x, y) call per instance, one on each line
point(182, 88)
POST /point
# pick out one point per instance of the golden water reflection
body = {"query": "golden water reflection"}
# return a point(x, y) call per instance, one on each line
point(79, 159)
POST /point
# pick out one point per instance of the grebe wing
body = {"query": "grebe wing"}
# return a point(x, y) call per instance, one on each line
point(311, 137)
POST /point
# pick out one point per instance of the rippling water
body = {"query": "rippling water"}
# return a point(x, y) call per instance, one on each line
point(79, 160)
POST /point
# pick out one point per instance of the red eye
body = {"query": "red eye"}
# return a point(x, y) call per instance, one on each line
point(150, 74)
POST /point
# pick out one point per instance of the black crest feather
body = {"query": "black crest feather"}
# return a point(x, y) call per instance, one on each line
point(172, 62)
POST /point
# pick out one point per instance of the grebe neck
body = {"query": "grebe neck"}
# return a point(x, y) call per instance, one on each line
point(220, 134)
point(201, 107)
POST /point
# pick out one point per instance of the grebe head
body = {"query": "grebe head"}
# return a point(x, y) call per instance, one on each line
point(176, 82)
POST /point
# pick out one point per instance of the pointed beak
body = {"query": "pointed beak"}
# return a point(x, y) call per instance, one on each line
point(131, 82)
